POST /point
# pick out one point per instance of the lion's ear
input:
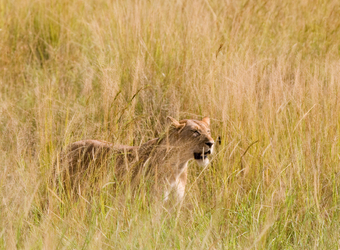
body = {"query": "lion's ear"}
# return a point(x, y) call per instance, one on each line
point(175, 123)
point(206, 120)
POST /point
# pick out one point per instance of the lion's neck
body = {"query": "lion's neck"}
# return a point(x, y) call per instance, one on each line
point(160, 151)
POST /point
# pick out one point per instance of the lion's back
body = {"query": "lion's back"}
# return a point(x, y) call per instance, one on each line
point(83, 160)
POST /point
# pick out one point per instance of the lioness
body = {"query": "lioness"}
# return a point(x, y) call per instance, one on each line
point(165, 159)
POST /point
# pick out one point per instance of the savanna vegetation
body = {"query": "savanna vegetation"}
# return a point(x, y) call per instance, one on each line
point(265, 72)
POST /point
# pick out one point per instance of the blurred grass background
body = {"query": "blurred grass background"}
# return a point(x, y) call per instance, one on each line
point(266, 72)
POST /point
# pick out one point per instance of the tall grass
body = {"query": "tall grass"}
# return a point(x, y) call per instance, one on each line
point(266, 72)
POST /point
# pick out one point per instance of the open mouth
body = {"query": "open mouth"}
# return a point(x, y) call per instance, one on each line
point(200, 156)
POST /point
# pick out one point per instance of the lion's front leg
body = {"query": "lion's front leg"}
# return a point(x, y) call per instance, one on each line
point(180, 190)
point(178, 186)
point(181, 182)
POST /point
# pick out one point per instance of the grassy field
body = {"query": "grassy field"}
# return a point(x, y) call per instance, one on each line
point(266, 72)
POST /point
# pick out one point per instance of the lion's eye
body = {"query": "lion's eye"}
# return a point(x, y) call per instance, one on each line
point(196, 133)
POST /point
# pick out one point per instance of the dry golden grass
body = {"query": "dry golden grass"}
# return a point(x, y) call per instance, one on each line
point(266, 72)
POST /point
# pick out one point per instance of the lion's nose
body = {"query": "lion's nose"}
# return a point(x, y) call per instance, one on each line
point(209, 143)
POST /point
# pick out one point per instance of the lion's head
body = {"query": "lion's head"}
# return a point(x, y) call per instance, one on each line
point(194, 139)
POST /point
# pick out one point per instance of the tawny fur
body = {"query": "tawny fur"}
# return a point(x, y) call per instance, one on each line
point(164, 160)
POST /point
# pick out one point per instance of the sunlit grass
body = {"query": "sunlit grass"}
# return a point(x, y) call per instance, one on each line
point(266, 72)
